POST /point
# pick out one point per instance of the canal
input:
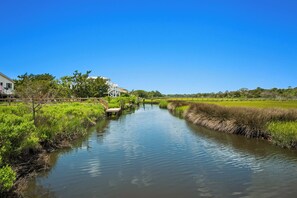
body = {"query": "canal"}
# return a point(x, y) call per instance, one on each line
point(151, 153)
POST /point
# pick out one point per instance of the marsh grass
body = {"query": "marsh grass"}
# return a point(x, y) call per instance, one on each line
point(276, 124)
point(181, 110)
point(163, 104)
point(283, 133)
point(240, 102)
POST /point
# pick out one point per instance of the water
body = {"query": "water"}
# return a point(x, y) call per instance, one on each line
point(151, 153)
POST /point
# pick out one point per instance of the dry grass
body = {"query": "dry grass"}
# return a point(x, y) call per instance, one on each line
point(250, 122)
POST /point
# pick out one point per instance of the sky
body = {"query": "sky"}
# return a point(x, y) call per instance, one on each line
point(185, 46)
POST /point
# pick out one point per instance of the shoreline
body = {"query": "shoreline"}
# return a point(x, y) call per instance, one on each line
point(32, 162)
point(57, 127)
point(248, 122)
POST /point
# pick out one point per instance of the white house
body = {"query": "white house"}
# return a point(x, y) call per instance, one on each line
point(6, 85)
point(113, 89)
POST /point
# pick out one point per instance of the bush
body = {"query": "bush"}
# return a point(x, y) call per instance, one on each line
point(7, 178)
point(54, 122)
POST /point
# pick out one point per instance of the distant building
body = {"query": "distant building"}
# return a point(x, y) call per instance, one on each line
point(6, 85)
point(113, 89)
point(123, 91)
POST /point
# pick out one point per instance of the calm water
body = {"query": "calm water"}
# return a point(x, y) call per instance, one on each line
point(151, 153)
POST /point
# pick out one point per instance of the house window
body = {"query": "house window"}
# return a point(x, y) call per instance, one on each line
point(9, 85)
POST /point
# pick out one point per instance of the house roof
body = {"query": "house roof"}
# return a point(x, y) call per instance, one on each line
point(1, 74)
point(122, 90)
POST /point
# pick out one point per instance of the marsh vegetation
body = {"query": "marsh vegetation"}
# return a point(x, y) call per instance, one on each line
point(55, 125)
point(278, 125)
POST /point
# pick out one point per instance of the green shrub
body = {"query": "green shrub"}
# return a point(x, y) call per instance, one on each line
point(121, 101)
point(7, 178)
point(17, 132)
point(54, 122)
point(67, 119)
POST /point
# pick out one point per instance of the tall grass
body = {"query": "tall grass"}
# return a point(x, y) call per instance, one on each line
point(180, 111)
point(278, 125)
point(284, 133)
point(241, 102)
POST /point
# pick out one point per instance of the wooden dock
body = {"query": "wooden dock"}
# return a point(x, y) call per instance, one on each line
point(113, 111)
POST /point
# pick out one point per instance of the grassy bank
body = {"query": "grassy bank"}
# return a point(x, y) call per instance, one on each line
point(21, 140)
point(255, 103)
point(233, 102)
point(278, 125)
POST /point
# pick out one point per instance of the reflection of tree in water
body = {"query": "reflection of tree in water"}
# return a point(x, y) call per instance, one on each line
point(35, 190)
point(101, 126)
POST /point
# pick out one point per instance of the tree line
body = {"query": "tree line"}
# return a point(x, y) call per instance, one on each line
point(46, 85)
point(147, 94)
point(274, 93)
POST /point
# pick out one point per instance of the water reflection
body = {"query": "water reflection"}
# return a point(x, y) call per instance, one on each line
point(151, 153)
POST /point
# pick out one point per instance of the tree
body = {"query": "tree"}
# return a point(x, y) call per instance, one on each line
point(64, 88)
point(140, 93)
point(35, 90)
point(98, 87)
point(83, 86)
point(145, 94)
point(80, 84)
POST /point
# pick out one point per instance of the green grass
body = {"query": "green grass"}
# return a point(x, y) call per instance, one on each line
point(151, 101)
point(256, 104)
point(180, 110)
point(234, 102)
point(121, 101)
point(163, 104)
point(238, 102)
point(283, 133)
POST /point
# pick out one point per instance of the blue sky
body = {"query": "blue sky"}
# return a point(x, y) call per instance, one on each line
point(186, 46)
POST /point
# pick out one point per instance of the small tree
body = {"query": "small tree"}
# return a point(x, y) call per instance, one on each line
point(35, 90)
